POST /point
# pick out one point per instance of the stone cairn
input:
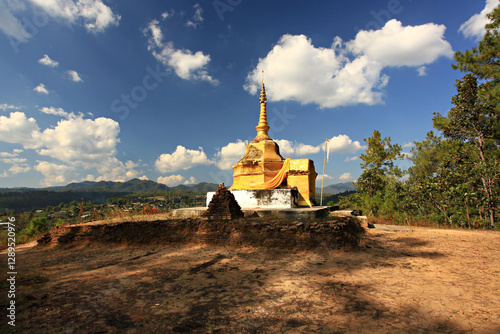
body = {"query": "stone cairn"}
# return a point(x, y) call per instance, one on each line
point(223, 205)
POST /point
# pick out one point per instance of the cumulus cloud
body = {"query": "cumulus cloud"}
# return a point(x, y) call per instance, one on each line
point(16, 169)
point(395, 45)
point(346, 177)
point(81, 141)
point(40, 89)
point(230, 154)
point(53, 174)
point(345, 73)
point(474, 27)
point(174, 180)
point(45, 60)
point(96, 16)
point(197, 17)
point(19, 165)
point(112, 169)
point(74, 76)
point(18, 129)
point(186, 64)
point(14, 153)
point(54, 111)
point(77, 142)
point(288, 148)
point(410, 144)
point(181, 159)
point(343, 144)
point(319, 177)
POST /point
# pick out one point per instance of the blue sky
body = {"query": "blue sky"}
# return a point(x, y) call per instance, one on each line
point(168, 90)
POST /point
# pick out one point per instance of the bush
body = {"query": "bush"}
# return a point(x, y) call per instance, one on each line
point(37, 225)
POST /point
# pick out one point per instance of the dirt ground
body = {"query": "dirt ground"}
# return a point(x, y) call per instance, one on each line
point(424, 281)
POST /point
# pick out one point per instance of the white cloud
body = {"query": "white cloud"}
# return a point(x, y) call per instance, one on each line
point(54, 111)
point(288, 148)
point(5, 106)
point(174, 180)
point(410, 144)
point(112, 169)
point(395, 45)
point(17, 129)
point(54, 174)
point(95, 15)
point(319, 177)
point(422, 71)
point(13, 160)
point(167, 14)
point(346, 177)
point(191, 180)
point(181, 158)
point(230, 154)
point(81, 141)
point(185, 64)
point(343, 144)
point(8, 155)
point(197, 17)
point(74, 76)
point(41, 89)
point(298, 71)
point(475, 26)
point(10, 25)
point(351, 159)
point(345, 73)
point(16, 169)
point(78, 142)
point(45, 60)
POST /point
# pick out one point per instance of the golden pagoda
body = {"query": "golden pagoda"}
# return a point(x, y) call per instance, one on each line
point(262, 167)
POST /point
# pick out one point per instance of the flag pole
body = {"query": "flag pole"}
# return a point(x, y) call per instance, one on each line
point(323, 178)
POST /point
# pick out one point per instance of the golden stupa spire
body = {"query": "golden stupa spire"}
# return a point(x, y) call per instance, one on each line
point(262, 128)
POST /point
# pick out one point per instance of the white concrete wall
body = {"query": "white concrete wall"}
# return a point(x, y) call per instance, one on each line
point(272, 198)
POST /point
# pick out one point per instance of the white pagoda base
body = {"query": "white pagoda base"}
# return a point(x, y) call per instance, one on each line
point(263, 199)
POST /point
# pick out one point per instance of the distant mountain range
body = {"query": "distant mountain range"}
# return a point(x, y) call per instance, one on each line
point(136, 185)
point(100, 192)
point(338, 188)
point(129, 187)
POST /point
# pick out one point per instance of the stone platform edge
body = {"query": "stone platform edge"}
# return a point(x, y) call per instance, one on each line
point(304, 213)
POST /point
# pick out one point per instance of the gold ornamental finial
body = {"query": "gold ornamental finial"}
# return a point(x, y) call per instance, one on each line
point(262, 128)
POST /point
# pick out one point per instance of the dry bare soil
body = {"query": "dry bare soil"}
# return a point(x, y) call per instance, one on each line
point(424, 281)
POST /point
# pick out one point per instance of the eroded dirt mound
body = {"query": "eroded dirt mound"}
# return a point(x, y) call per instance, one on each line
point(337, 232)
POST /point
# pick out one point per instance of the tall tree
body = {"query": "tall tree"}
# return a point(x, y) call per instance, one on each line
point(378, 164)
point(376, 185)
point(484, 62)
point(439, 187)
point(472, 121)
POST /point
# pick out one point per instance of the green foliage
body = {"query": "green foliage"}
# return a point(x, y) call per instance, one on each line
point(470, 123)
point(378, 164)
point(37, 225)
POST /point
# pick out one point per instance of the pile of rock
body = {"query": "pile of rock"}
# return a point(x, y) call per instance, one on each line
point(223, 205)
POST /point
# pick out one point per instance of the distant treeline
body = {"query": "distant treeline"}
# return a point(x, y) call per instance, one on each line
point(39, 199)
point(332, 199)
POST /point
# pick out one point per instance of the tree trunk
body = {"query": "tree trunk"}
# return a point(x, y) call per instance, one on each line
point(487, 184)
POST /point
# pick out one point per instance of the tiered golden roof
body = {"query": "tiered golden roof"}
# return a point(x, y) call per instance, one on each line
point(262, 166)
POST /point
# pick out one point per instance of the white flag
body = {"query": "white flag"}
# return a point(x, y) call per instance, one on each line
point(327, 150)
